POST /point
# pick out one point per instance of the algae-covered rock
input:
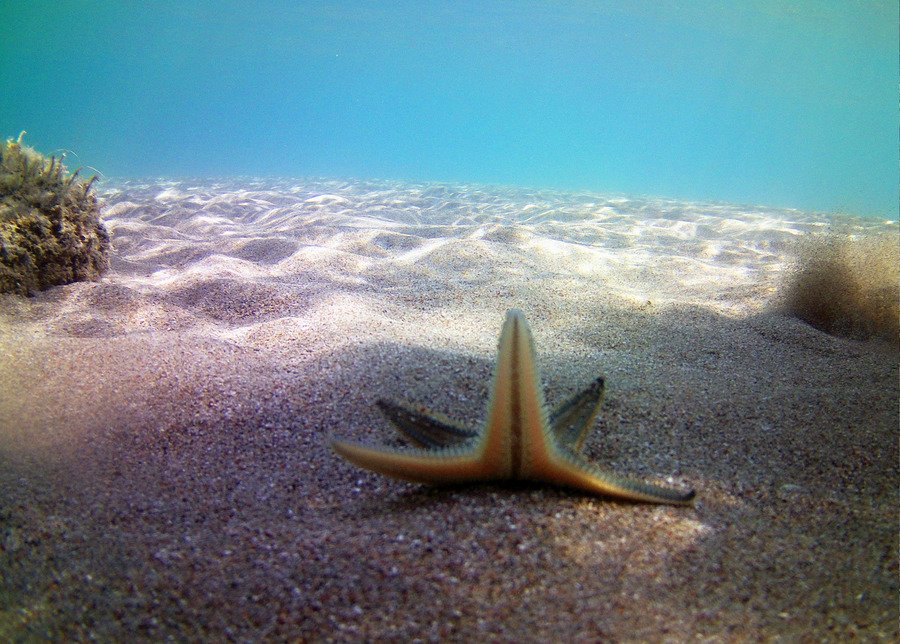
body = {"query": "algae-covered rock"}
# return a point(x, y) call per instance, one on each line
point(50, 228)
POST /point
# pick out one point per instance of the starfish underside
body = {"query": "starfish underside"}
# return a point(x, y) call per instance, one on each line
point(520, 440)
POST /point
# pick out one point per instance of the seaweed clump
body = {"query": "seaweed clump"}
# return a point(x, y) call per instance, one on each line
point(50, 227)
point(847, 286)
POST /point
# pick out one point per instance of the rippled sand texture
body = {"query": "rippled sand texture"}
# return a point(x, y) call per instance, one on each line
point(164, 460)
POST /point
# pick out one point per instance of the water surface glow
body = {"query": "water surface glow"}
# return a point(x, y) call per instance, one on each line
point(767, 101)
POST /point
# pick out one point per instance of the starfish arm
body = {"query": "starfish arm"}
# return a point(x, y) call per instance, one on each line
point(430, 430)
point(573, 419)
point(516, 422)
point(450, 465)
point(573, 471)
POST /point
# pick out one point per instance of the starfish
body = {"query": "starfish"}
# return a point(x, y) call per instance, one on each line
point(521, 439)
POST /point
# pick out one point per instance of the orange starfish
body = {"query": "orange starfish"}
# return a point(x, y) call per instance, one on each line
point(519, 441)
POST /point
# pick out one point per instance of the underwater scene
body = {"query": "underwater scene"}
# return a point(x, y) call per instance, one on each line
point(449, 321)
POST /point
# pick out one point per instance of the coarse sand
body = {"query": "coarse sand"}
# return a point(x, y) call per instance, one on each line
point(165, 469)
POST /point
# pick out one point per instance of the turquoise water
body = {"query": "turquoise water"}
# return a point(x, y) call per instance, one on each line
point(786, 104)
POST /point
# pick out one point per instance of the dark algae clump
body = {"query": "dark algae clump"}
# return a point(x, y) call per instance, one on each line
point(847, 286)
point(50, 228)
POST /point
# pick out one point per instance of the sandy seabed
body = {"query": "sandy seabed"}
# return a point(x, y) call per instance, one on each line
point(165, 469)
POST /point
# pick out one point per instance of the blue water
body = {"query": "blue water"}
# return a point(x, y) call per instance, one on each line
point(780, 103)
